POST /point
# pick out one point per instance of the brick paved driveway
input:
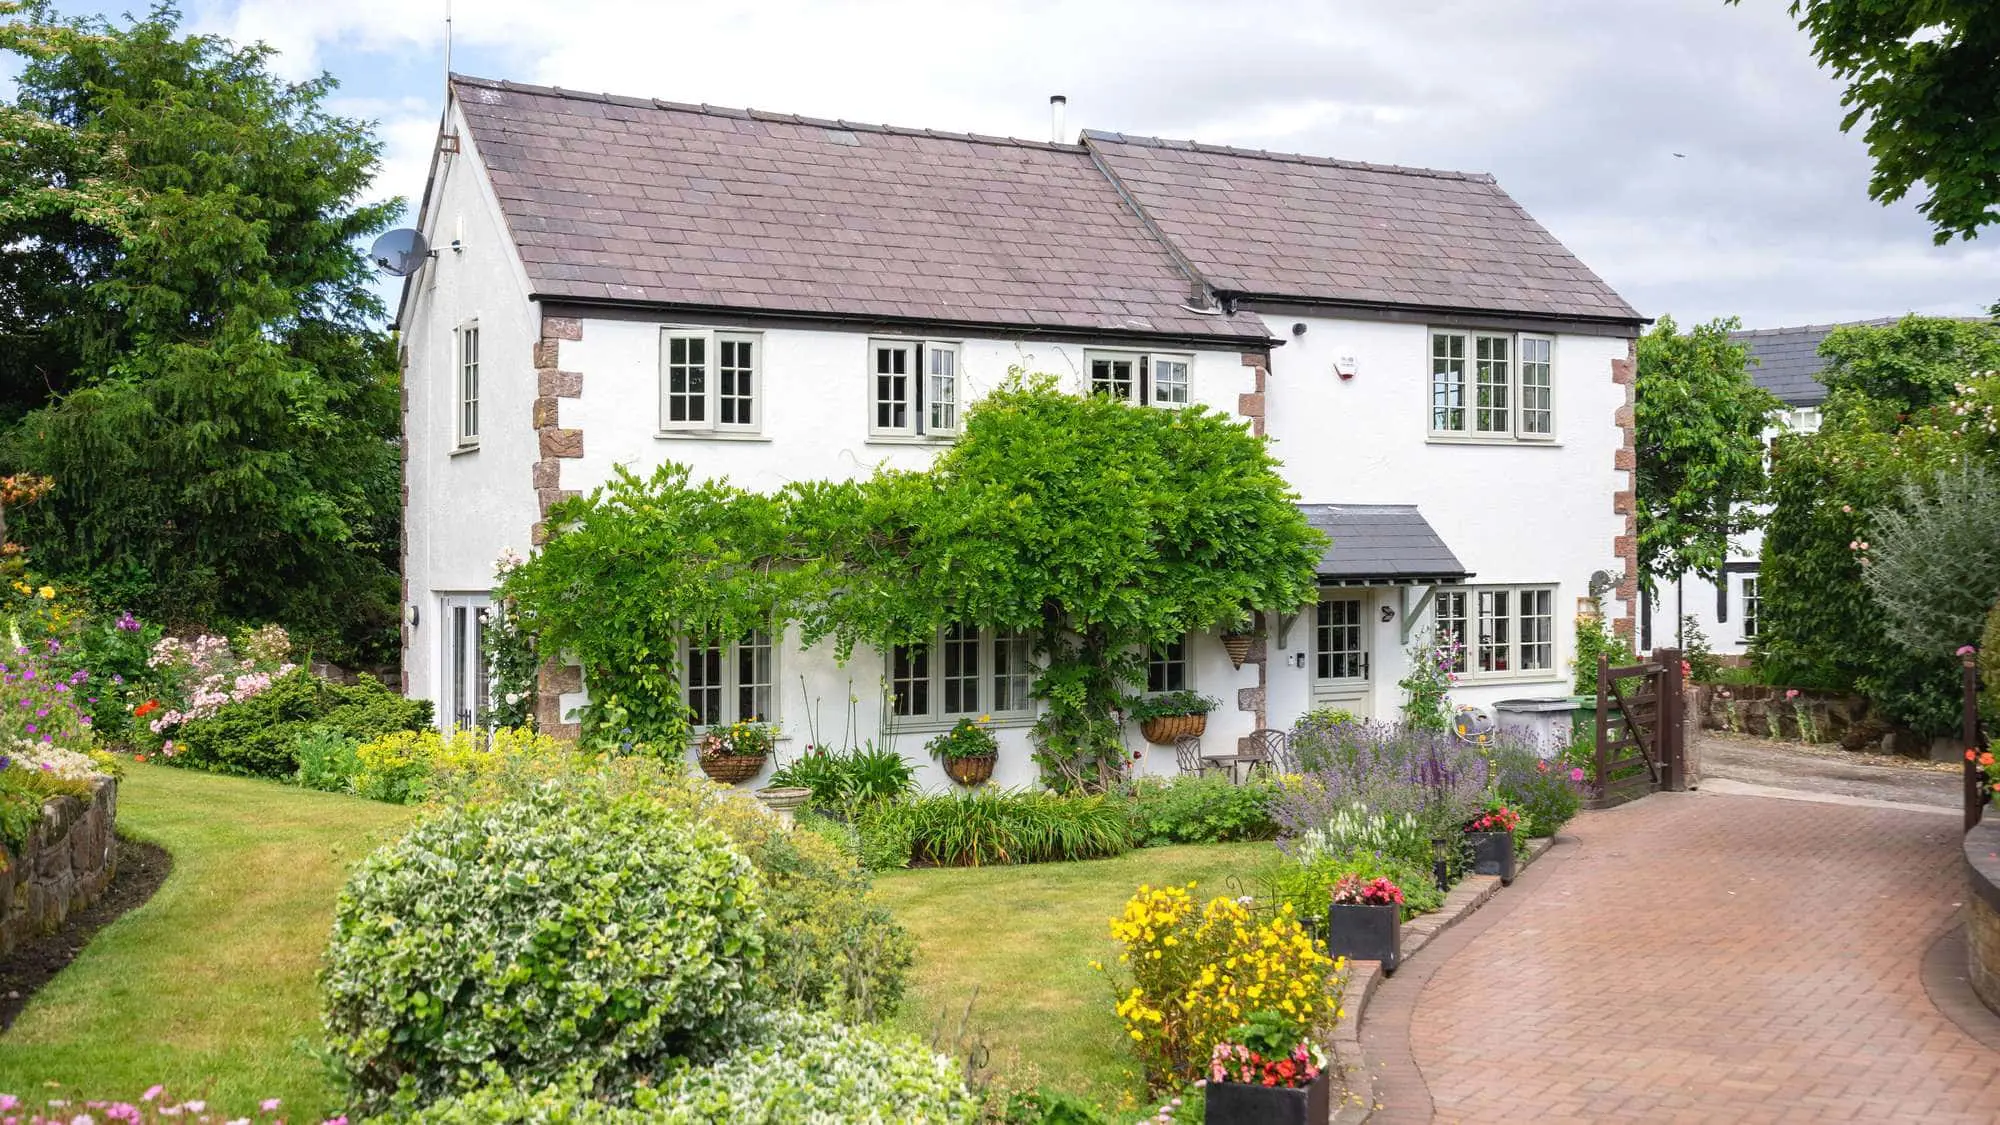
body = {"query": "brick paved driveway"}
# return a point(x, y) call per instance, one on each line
point(1695, 957)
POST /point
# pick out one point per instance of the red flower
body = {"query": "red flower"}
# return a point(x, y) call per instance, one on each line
point(152, 705)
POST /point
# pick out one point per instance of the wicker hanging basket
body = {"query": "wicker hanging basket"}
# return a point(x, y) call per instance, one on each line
point(970, 771)
point(1237, 645)
point(732, 768)
point(1165, 729)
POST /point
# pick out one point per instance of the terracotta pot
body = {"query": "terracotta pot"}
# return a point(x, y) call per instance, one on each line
point(733, 768)
point(1163, 730)
point(970, 771)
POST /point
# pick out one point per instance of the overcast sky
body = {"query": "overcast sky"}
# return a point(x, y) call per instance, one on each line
point(1577, 106)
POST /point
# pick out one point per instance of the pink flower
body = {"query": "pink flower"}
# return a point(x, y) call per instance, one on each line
point(268, 1104)
point(1966, 650)
point(152, 1092)
point(1791, 693)
point(1576, 773)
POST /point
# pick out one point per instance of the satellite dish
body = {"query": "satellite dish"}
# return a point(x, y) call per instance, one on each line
point(400, 252)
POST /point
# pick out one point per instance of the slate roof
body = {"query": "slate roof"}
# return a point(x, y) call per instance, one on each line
point(1786, 361)
point(628, 199)
point(1381, 542)
point(1315, 229)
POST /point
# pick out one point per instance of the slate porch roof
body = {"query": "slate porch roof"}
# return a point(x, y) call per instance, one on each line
point(1313, 229)
point(1381, 543)
point(633, 200)
point(1786, 361)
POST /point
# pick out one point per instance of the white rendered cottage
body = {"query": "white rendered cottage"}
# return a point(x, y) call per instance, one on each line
point(773, 298)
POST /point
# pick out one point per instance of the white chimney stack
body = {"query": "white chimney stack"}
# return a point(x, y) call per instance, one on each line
point(1057, 103)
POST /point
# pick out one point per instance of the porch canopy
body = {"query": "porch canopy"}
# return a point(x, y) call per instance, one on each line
point(1384, 545)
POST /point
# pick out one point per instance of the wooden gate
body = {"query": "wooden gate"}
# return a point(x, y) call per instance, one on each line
point(1641, 729)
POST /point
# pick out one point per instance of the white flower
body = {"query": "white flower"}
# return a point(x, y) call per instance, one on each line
point(513, 697)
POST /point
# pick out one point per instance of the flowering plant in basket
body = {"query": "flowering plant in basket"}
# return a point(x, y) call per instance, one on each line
point(1267, 1050)
point(967, 738)
point(1350, 890)
point(739, 740)
point(1499, 818)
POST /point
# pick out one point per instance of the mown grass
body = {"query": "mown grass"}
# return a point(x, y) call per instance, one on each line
point(208, 987)
point(1024, 937)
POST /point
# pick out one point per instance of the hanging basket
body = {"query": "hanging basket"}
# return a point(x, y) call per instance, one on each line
point(970, 771)
point(732, 768)
point(1237, 645)
point(1165, 729)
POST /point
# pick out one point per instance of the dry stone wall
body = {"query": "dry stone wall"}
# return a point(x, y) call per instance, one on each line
point(68, 863)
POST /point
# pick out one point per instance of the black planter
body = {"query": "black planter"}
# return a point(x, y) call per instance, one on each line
point(1492, 854)
point(1238, 1103)
point(1366, 933)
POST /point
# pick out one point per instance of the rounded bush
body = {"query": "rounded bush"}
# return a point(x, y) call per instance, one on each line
point(568, 928)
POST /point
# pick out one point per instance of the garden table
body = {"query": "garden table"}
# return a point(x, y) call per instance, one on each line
point(1232, 762)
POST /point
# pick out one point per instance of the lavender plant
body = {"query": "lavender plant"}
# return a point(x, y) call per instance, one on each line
point(1388, 768)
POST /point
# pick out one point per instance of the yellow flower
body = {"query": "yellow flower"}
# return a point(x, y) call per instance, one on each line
point(46, 592)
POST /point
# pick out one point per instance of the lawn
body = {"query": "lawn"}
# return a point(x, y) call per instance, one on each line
point(208, 987)
point(1025, 937)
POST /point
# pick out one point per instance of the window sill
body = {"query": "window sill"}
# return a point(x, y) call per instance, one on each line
point(708, 435)
point(908, 439)
point(1539, 676)
point(1469, 439)
point(462, 450)
point(939, 726)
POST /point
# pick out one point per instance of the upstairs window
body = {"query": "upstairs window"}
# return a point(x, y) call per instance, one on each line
point(468, 385)
point(1752, 604)
point(913, 388)
point(1154, 380)
point(1492, 385)
point(711, 381)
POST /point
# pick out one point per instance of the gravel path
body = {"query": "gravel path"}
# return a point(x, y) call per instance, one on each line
point(1830, 770)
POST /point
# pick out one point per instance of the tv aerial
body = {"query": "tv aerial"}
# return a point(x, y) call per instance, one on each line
point(400, 252)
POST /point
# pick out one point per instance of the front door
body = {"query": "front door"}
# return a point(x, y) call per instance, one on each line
point(462, 679)
point(1340, 653)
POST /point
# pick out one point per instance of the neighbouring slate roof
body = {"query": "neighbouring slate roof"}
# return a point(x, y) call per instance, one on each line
point(1381, 541)
point(1786, 361)
point(1316, 229)
point(628, 199)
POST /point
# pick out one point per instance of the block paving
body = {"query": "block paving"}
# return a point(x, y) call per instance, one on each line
point(1696, 958)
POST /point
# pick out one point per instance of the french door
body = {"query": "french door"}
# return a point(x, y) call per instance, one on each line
point(463, 683)
point(1341, 653)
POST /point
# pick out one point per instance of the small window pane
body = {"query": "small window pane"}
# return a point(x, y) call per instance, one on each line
point(704, 684)
point(1170, 382)
point(1494, 380)
point(735, 373)
point(942, 402)
point(1337, 641)
point(1495, 627)
point(468, 384)
point(1537, 387)
point(910, 679)
point(1012, 674)
point(1447, 382)
point(1451, 619)
point(961, 671)
point(893, 388)
point(753, 678)
point(1112, 377)
point(1167, 667)
point(1752, 603)
point(1538, 630)
point(687, 380)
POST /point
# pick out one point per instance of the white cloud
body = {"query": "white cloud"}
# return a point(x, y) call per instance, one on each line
point(1576, 105)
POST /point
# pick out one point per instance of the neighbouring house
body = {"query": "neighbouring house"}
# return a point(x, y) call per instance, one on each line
point(1787, 363)
point(771, 298)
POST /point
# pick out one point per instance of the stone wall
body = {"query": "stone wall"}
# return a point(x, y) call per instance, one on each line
point(1766, 713)
point(1982, 917)
point(68, 863)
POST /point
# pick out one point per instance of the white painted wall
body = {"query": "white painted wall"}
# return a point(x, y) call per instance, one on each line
point(464, 507)
point(1513, 512)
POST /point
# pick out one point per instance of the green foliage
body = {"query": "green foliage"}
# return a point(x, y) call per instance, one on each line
point(259, 736)
point(795, 1068)
point(567, 928)
point(1354, 829)
point(1698, 431)
point(1595, 638)
point(887, 833)
point(189, 345)
point(845, 780)
point(967, 738)
point(990, 826)
point(1922, 76)
point(1306, 882)
point(1201, 810)
point(402, 767)
point(1169, 704)
point(1989, 668)
point(1703, 666)
point(1427, 685)
point(1542, 791)
point(510, 657)
point(1905, 401)
point(327, 759)
point(1933, 564)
